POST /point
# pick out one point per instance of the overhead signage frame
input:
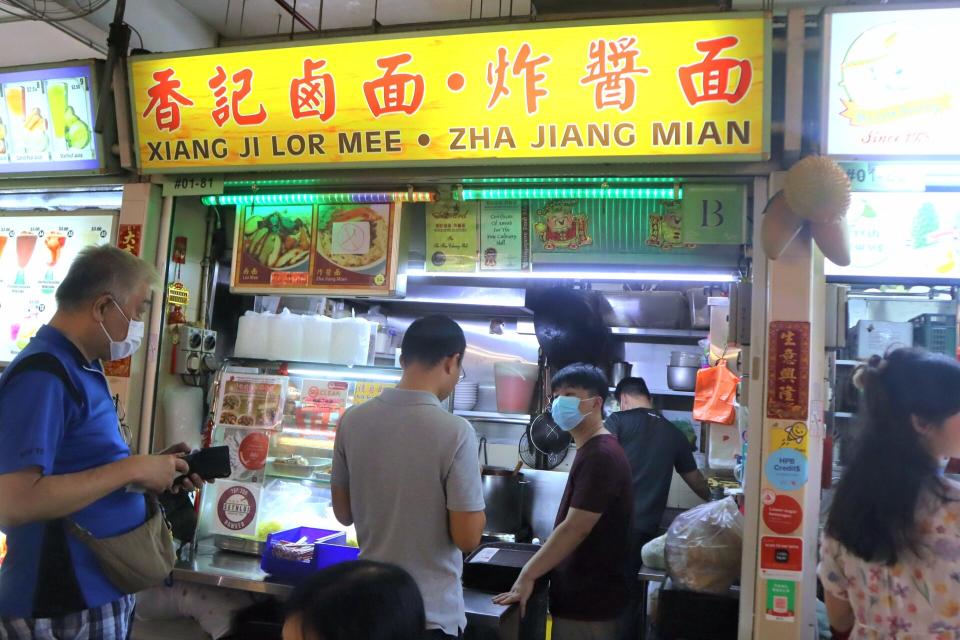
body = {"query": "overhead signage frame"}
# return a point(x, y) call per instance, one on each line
point(670, 88)
point(47, 116)
point(885, 92)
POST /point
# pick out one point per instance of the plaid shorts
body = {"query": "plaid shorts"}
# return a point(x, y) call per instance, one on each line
point(112, 621)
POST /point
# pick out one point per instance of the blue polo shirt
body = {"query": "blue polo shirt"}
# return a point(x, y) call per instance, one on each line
point(41, 425)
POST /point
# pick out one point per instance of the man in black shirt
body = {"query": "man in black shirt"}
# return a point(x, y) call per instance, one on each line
point(654, 447)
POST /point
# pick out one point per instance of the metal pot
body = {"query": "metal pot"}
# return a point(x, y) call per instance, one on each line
point(682, 378)
point(619, 371)
point(503, 494)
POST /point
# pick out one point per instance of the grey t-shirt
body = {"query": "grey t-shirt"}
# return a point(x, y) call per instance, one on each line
point(406, 462)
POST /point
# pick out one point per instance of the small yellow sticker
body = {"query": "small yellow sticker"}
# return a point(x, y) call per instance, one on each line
point(792, 435)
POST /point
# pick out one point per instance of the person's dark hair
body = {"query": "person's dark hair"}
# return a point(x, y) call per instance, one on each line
point(431, 339)
point(582, 376)
point(100, 270)
point(631, 387)
point(360, 600)
point(874, 508)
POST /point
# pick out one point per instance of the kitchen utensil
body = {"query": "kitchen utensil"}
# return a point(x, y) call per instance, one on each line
point(685, 359)
point(682, 378)
point(619, 371)
point(546, 436)
point(570, 327)
point(515, 382)
point(650, 309)
point(465, 396)
point(699, 309)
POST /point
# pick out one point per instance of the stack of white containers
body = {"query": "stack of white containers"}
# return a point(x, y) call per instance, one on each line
point(289, 337)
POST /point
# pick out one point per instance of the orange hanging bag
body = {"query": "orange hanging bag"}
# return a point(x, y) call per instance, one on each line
point(716, 394)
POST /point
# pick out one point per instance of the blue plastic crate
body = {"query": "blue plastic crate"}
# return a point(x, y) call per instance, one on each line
point(334, 551)
point(291, 569)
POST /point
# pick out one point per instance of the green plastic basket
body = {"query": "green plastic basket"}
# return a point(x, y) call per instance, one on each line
point(936, 332)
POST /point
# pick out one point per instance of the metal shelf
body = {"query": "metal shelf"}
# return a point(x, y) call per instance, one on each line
point(492, 416)
point(848, 363)
point(692, 334)
point(671, 392)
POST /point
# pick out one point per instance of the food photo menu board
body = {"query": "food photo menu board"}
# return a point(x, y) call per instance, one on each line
point(36, 252)
point(46, 121)
point(899, 236)
point(323, 249)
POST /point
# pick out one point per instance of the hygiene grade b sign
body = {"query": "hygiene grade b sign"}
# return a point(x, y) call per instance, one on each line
point(694, 88)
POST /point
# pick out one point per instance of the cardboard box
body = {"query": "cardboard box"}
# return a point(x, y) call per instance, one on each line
point(871, 337)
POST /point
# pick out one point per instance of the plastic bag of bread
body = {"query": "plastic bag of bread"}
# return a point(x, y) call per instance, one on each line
point(652, 553)
point(704, 547)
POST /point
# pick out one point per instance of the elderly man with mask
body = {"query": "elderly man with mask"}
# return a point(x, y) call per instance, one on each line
point(65, 462)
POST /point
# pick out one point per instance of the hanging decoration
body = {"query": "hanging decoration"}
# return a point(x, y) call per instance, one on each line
point(816, 194)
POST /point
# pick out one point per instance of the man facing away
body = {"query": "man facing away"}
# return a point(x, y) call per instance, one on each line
point(64, 456)
point(654, 447)
point(407, 472)
point(587, 551)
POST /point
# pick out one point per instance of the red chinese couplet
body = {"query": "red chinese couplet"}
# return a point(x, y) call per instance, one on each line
point(788, 371)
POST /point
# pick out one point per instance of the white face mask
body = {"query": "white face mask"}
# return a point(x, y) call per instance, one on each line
point(129, 345)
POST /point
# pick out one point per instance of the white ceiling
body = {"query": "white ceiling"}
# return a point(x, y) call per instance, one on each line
point(176, 25)
point(245, 18)
point(18, 45)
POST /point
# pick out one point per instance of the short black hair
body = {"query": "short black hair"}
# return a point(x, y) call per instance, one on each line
point(582, 376)
point(431, 339)
point(362, 599)
point(631, 387)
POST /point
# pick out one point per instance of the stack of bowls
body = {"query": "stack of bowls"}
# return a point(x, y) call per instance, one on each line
point(682, 371)
point(465, 396)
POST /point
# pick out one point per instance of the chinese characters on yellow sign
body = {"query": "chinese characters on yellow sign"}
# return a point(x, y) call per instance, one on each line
point(692, 87)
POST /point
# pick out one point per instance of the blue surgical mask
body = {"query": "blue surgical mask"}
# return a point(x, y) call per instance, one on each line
point(566, 412)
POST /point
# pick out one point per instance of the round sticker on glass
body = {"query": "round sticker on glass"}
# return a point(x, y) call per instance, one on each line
point(253, 450)
point(237, 508)
point(786, 469)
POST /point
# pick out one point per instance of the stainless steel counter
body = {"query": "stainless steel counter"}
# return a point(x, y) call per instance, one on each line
point(235, 571)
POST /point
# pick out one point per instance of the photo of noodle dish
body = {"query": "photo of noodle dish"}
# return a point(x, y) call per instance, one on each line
point(353, 238)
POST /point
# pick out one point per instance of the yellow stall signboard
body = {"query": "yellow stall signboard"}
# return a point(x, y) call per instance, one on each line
point(692, 88)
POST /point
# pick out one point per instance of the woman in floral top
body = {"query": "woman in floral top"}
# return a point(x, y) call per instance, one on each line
point(890, 557)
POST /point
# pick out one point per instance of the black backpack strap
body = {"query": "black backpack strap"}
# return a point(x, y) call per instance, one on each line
point(49, 363)
point(57, 591)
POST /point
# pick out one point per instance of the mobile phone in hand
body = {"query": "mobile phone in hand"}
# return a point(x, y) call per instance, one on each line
point(209, 463)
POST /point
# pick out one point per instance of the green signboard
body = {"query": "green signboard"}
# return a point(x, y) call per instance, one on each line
point(714, 214)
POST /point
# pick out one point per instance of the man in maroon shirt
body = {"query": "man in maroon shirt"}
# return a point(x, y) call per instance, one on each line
point(587, 552)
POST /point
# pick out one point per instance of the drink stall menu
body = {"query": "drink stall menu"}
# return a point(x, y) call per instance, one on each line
point(36, 252)
point(46, 120)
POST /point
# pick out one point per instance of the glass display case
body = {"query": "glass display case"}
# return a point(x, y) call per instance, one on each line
point(279, 421)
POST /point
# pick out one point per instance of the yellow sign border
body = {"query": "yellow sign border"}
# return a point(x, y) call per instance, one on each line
point(764, 154)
